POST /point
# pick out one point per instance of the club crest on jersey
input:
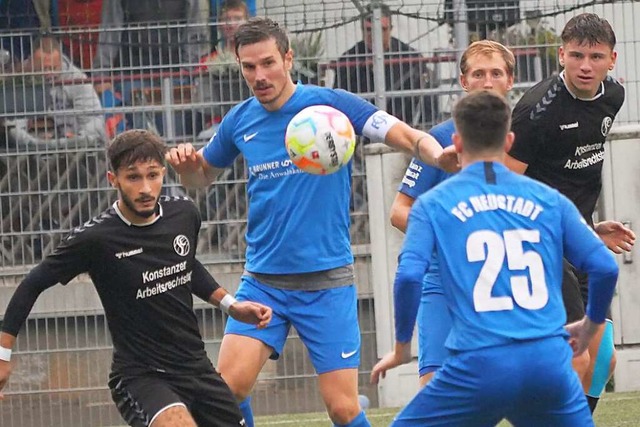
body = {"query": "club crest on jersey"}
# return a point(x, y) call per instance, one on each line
point(181, 245)
point(607, 122)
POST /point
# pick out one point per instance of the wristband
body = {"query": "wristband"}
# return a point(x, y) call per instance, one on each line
point(5, 354)
point(226, 302)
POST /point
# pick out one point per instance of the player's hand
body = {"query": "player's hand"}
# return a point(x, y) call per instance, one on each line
point(448, 160)
point(183, 158)
point(5, 372)
point(251, 312)
point(616, 236)
point(400, 356)
point(581, 333)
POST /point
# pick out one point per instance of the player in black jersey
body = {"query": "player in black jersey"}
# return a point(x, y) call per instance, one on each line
point(140, 255)
point(561, 125)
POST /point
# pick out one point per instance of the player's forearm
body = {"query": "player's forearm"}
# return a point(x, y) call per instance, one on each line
point(7, 340)
point(24, 298)
point(603, 274)
point(414, 142)
point(406, 300)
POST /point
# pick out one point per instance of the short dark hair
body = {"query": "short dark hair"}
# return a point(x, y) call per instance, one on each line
point(482, 119)
point(259, 29)
point(588, 28)
point(385, 11)
point(133, 146)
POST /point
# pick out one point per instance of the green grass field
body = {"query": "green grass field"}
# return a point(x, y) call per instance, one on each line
point(614, 410)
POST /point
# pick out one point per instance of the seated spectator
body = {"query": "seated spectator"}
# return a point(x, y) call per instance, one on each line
point(85, 127)
point(143, 37)
point(355, 72)
point(221, 83)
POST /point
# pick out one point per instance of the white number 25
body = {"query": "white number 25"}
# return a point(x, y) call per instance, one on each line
point(491, 247)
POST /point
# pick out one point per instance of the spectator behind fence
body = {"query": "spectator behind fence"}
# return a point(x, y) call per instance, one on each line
point(220, 83)
point(144, 37)
point(355, 72)
point(86, 126)
point(24, 16)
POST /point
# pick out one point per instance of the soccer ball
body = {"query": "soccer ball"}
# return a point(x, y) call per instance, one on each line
point(320, 140)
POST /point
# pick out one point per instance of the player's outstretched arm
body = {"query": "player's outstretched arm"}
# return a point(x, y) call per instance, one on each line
point(191, 166)
point(6, 344)
point(242, 311)
point(400, 355)
point(615, 236)
point(423, 146)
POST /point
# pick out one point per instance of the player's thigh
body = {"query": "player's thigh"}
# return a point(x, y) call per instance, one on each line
point(339, 390)
point(327, 322)
point(141, 399)
point(174, 416)
point(451, 398)
point(213, 404)
point(434, 325)
point(551, 393)
point(571, 293)
point(275, 334)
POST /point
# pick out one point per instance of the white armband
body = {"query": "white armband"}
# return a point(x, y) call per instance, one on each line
point(5, 354)
point(226, 302)
point(377, 126)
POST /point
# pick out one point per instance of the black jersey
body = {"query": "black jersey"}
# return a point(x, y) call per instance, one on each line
point(562, 137)
point(143, 275)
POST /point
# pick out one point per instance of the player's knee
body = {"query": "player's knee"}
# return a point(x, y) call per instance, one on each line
point(240, 386)
point(343, 411)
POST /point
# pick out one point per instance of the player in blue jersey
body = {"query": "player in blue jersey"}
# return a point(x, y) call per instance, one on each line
point(500, 239)
point(298, 250)
point(485, 64)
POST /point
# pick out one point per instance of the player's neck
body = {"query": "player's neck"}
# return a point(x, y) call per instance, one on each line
point(133, 217)
point(466, 160)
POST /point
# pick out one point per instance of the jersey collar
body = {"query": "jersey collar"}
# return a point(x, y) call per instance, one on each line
point(129, 223)
point(596, 96)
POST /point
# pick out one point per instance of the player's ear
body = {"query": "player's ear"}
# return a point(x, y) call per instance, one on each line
point(561, 56)
point(288, 59)
point(463, 82)
point(509, 141)
point(113, 180)
point(457, 142)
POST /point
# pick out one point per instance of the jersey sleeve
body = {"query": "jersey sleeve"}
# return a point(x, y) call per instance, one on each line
point(203, 283)
point(71, 258)
point(221, 150)
point(420, 177)
point(584, 249)
point(366, 118)
point(528, 134)
point(413, 262)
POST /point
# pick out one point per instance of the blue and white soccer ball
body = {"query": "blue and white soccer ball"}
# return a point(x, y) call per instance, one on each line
point(320, 139)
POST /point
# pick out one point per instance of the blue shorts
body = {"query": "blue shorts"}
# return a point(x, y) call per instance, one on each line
point(530, 383)
point(326, 321)
point(434, 324)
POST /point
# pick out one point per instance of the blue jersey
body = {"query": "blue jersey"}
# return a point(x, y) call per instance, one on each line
point(297, 222)
point(500, 239)
point(418, 179)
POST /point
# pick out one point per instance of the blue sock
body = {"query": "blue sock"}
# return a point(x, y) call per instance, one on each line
point(359, 421)
point(247, 413)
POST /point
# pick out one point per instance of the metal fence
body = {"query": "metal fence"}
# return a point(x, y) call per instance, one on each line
point(52, 161)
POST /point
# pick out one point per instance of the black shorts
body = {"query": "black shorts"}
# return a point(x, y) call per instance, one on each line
point(141, 398)
point(575, 292)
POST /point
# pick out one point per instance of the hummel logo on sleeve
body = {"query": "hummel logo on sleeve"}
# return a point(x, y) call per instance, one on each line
point(249, 137)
